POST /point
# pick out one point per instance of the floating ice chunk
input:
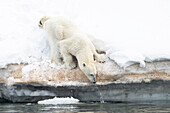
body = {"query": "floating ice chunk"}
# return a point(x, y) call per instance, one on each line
point(56, 101)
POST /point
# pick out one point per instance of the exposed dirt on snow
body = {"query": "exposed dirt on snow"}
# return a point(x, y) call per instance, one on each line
point(108, 72)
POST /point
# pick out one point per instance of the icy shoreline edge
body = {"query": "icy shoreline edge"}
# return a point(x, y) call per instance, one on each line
point(114, 84)
point(156, 90)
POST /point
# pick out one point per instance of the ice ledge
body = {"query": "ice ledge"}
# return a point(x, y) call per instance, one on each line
point(113, 83)
point(134, 92)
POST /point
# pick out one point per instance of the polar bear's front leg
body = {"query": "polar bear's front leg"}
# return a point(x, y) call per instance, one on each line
point(98, 58)
point(68, 58)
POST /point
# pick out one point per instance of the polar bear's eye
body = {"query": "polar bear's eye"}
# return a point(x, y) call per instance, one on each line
point(84, 65)
point(40, 23)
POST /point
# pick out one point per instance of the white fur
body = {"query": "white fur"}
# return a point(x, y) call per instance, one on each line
point(67, 40)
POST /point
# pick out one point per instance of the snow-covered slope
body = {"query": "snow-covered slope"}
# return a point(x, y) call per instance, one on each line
point(129, 31)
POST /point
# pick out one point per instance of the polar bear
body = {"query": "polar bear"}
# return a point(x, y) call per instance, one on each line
point(67, 40)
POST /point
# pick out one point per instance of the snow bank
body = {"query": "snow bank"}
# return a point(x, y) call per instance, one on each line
point(56, 101)
point(128, 31)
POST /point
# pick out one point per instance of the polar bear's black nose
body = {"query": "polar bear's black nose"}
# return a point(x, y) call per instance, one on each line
point(92, 75)
point(94, 80)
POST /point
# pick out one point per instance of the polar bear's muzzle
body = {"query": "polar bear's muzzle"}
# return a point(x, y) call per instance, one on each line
point(93, 79)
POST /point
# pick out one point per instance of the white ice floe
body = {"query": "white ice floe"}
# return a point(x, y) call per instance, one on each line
point(128, 31)
point(56, 101)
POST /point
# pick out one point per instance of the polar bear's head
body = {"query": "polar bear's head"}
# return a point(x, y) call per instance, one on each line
point(89, 69)
point(42, 21)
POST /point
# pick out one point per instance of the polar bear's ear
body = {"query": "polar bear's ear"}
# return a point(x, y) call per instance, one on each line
point(46, 18)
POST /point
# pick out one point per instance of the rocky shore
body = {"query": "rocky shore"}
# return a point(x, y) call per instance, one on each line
point(114, 84)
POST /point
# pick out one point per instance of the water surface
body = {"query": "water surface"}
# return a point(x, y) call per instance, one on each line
point(159, 107)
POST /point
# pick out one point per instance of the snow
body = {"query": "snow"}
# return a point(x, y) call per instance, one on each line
point(56, 101)
point(128, 31)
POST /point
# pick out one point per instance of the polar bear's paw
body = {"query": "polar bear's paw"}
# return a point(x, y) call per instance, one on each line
point(100, 59)
point(71, 65)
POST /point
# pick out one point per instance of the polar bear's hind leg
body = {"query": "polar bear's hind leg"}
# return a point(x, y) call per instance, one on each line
point(55, 54)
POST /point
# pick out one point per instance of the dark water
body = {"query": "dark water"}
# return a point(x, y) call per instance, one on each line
point(158, 107)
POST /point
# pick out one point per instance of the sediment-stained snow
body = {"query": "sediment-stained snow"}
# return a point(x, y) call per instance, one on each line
point(128, 31)
point(56, 101)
